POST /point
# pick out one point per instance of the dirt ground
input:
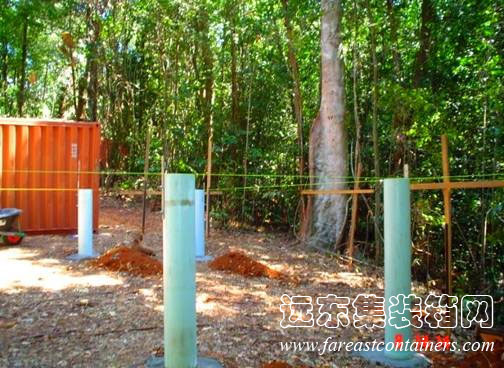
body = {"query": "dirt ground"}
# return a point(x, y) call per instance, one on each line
point(59, 313)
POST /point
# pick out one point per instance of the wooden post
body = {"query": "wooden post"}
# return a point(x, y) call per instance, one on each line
point(446, 186)
point(415, 186)
point(353, 223)
point(208, 180)
point(146, 172)
point(447, 213)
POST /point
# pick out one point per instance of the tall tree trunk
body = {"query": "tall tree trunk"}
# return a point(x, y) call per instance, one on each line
point(4, 59)
point(92, 87)
point(208, 75)
point(165, 64)
point(208, 64)
point(328, 151)
point(376, 147)
point(235, 107)
point(425, 38)
point(357, 164)
point(236, 122)
point(298, 109)
point(245, 155)
point(81, 100)
point(83, 83)
point(4, 71)
point(393, 36)
point(59, 108)
point(22, 77)
point(298, 102)
point(74, 79)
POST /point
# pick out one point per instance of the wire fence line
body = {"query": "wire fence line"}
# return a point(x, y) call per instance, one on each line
point(265, 175)
point(220, 190)
point(327, 182)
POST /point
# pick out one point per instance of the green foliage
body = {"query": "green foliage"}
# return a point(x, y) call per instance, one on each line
point(156, 58)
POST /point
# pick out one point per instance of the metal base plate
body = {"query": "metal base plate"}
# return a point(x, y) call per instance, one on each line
point(203, 258)
point(80, 257)
point(158, 362)
point(417, 360)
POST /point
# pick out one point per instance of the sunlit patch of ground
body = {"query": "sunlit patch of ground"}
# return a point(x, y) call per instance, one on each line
point(22, 269)
point(58, 313)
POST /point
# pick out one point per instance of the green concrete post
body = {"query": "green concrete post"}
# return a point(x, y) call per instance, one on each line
point(397, 223)
point(179, 272)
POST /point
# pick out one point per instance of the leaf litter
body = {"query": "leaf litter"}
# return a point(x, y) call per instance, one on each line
point(116, 318)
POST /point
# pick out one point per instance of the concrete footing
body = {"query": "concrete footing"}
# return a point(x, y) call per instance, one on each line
point(158, 362)
point(417, 360)
point(80, 257)
point(203, 258)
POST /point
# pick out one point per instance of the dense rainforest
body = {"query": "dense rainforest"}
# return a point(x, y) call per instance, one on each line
point(244, 77)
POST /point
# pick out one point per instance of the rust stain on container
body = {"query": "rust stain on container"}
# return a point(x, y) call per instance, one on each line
point(58, 155)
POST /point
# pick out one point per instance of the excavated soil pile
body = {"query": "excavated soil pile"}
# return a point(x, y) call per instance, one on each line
point(239, 263)
point(124, 259)
point(277, 364)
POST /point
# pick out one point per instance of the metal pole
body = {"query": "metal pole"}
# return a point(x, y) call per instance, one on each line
point(179, 270)
point(447, 214)
point(200, 224)
point(397, 236)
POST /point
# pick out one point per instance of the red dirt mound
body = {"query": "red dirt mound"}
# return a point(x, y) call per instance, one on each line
point(124, 259)
point(239, 263)
point(277, 364)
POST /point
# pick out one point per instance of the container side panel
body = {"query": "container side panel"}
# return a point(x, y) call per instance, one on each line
point(49, 177)
point(40, 176)
point(67, 168)
point(10, 167)
point(38, 155)
point(73, 176)
point(95, 156)
point(4, 141)
point(60, 178)
point(28, 220)
point(9, 133)
point(88, 148)
point(84, 156)
point(17, 164)
point(43, 211)
point(35, 165)
point(2, 145)
point(5, 155)
point(22, 171)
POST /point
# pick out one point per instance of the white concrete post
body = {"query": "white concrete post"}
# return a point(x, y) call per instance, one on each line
point(199, 208)
point(85, 222)
point(179, 272)
point(84, 225)
point(397, 234)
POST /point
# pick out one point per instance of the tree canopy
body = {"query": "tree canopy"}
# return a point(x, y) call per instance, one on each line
point(413, 70)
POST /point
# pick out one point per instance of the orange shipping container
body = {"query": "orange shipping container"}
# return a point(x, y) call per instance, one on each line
point(42, 164)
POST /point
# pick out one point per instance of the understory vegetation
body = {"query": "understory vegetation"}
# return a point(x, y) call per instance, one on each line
point(178, 70)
